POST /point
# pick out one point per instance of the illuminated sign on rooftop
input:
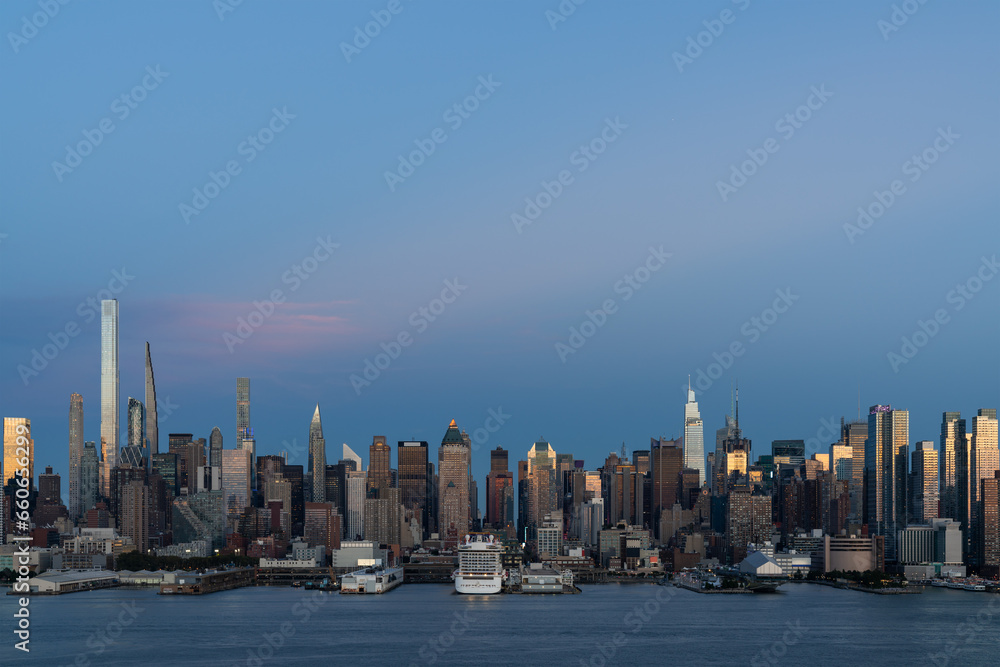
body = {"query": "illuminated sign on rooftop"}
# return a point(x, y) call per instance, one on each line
point(880, 408)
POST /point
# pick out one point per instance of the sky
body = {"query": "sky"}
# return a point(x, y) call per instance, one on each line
point(543, 217)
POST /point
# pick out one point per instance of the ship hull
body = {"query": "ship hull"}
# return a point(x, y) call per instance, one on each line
point(478, 585)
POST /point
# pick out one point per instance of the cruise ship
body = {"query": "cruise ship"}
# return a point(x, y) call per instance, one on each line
point(480, 571)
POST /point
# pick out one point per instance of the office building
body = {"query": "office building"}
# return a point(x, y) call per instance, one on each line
point(694, 436)
point(885, 473)
point(243, 410)
point(924, 483)
point(952, 437)
point(166, 465)
point(109, 392)
point(136, 436)
point(788, 453)
point(983, 462)
point(215, 448)
point(236, 467)
point(411, 459)
point(666, 460)
point(354, 511)
point(317, 458)
point(989, 540)
point(454, 457)
point(18, 446)
point(383, 516)
point(379, 465)
point(499, 490)
point(75, 453)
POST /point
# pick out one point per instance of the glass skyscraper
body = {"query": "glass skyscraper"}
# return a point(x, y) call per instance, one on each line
point(110, 424)
point(152, 430)
point(694, 436)
point(242, 409)
point(317, 458)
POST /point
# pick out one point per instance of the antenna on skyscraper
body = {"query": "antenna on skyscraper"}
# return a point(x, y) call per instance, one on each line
point(736, 410)
point(623, 450)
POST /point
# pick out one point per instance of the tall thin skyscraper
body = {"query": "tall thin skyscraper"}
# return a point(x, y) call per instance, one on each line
point(75, 453)
point(885, 473)
point(110, 404)
point(243, 409)
point(694, 436)
point(924, 483)
point(317, 458)
point(136, 423)
point(984, 461)
point(379, 465)
point(453, 486)
point(152, 431)
point(90, 477)
point(952, 434)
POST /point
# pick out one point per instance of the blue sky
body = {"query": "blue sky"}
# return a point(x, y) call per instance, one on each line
point(321, 180)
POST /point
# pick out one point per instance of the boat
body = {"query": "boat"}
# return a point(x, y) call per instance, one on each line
point(480, 570)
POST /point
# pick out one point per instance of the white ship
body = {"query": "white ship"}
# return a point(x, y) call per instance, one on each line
point(480, 569)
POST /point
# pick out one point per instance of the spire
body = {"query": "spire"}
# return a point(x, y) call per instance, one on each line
point(316, 417)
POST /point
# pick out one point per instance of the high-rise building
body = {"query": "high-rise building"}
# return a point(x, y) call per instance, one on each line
point(236, 467)
point(90, 477)
point(379, 465)
point(499, 489)
point(18, 445)
point(885, 473)
point(110, 424)
point(924, 483)
point(383, 519)
point(351, 455)
point(136, 424)
point(250, 444)
point(694, 436)
point(243, 410)
point(411, 458)
point(544, 488)
point(166, 465)
point(134, 514)
point(75, 453)
point(989, 541)
point(952, 435)
point(666, 462)
point(854, 434)
point(354, 514)
point(788, 453)
point(49, 488)
point(722, 435)
point(453, 486)
point(317, 458)
point(152, 429)
point(984, 461)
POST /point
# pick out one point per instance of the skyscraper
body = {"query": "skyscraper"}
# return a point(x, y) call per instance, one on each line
point(379, 465)
point(136, 436)
point(110, 424)
point(952, 435)
point(16, 441)
point(317, 458)
point(354, 514)
point(984, 461)
point(666, 462)
point(694, 436)
point(90, 477)
point(75, 453)
point(853, 435)
point(236, 467)
point(544, 487)
point(152, 430)
point(499, 489)
point(885, 473)
point(411, 459)
point(989, 541)
point(924, 483)
point(214, 447)
point(243, 410)
point(351, 455)
point(453, 486)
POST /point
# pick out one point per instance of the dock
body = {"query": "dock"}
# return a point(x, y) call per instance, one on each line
point(210, 582)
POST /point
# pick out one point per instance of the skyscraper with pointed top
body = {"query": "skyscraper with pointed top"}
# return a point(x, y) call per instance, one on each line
point(317, 458)
point(243, 431)
point(75, 453)
point(694, 436)
point(152, 431)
